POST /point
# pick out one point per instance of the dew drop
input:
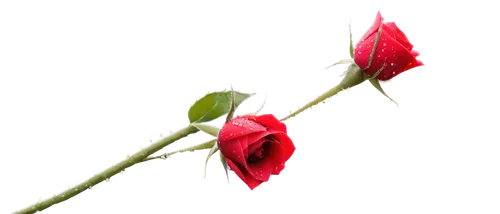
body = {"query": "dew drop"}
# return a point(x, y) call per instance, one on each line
point(384, 44)
point(383, 50)
point(240, 124)
point(251, 128)
point(371, 40)
point(392, 64)
point(230, 134)
point(359, 52)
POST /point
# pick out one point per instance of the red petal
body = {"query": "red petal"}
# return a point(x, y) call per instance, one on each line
point(232, 150)
point(235, 168)
point(269, 121)
point(237, 149)
point(397, 64)
point(286, 145)
point(238, 127)
point(373, 28)
point(415, 53)
point(251, 139)
point(263, 169)
point(413, 64)
point(392, 30)
point(246, 179)
point(254, 146)
point(278, 169)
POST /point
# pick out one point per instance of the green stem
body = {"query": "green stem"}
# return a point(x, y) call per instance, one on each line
point(354, 76)
point(108, 173)
point(206, 145)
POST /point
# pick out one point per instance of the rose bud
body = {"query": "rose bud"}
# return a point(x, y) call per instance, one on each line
point(255, 147)
point(394, 51)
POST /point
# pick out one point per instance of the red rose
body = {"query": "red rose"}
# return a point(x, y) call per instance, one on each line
point(393, 49)
point(255, 147)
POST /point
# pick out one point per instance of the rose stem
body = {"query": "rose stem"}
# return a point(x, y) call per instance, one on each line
point(199, 147)
point(354, 76)
point(112, 170)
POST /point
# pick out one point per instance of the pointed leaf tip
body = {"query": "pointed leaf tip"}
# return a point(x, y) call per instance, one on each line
point(376, 84)
point(224, 164)
point(232, 107)
point(212, 151)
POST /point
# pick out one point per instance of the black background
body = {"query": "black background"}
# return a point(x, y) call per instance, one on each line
point(89, 80)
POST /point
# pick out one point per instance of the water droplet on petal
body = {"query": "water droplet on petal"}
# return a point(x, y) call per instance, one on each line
point(359, 52)
point(384, 44)
point(392, 64)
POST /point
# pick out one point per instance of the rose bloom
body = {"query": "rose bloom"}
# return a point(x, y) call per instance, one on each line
point(255, 147)
point(394, 50)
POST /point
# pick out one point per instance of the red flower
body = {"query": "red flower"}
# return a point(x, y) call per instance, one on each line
point(394, 50)
point(255, 147)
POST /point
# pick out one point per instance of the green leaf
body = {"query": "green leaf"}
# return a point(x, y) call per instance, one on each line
point(214, 105)
point(211, 130)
